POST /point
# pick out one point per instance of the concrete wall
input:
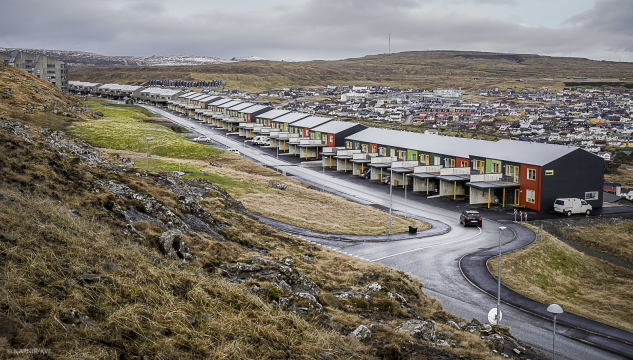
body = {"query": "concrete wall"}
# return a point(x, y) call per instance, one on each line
point(343, 165)
point(420, 185)
point(449, 188)
point(478, 196)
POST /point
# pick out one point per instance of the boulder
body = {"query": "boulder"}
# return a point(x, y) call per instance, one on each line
point(352, 294)
point(10, 238)
point(441, 343)
point(169, 242)
point(331, 301)
point(362, 333)
point(419, 329)
point(98, 113)
point(308, 258)
point(397, 297)
point(445, 334)
point(371, 288)
point(453, 324)
point(496, 341)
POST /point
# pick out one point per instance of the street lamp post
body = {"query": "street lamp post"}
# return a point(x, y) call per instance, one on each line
point(406, 185)
point(147, 155)
point(501, 228)
point(390, 198)
point(554, 309)
point(323, 169)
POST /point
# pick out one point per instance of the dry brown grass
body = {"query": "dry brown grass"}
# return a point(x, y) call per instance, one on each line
point(622, 175)
point(553, 272)
point(139, 308)
point(28, 90)
point(413, 69)
point(299, 204)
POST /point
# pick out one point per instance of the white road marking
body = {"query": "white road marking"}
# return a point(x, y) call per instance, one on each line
point(425, 247)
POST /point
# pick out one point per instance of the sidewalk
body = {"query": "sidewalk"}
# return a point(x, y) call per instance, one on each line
point(473, 267)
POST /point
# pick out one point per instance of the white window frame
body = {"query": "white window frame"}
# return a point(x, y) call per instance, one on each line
point(528, 174)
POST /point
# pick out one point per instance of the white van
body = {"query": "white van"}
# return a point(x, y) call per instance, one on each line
point(568, 206)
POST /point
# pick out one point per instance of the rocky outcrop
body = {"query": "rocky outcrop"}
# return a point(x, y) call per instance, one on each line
point(362, 333)
point(419, 329)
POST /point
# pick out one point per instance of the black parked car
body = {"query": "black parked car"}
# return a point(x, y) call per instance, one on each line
point(470, 217)
point(366, 174)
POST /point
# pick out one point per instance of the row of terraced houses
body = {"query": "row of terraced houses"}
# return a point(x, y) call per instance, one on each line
point(505, 172)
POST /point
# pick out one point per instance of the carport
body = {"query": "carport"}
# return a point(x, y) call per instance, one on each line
point(425, 181)
point(359, 165)
point(327, 156)
point(377, 170)
point(397, 177)
point(489, 192)
point(310, 149)
point(343, 162)
point(453, 185)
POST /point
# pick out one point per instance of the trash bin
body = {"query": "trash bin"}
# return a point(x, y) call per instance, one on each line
point(413, 229)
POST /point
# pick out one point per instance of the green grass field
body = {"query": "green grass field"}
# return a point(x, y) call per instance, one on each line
point(119, 129)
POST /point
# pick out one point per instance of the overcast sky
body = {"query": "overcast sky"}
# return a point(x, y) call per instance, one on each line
point(320, 29)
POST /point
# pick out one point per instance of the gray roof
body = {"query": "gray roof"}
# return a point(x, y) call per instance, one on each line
point(275, 113)
point(311, 122)
point(334, 127)
point(221, 101)
point(189, 95)
point(198, 97)
point(230, 104)
point(522, 152)
point(241, 106)
point(291, 117)
point(426, 143)
point(253, 109)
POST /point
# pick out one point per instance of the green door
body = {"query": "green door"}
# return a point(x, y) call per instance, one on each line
point(412, 155)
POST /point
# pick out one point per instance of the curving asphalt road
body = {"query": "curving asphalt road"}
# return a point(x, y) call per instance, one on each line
point(435, 260)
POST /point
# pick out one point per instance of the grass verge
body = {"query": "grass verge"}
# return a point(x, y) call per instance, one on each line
point(553, 272)
point(298, 205)
point(119, 129)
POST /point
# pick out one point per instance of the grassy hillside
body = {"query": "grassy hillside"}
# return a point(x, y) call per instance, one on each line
point(553, 272)
point(415, 69)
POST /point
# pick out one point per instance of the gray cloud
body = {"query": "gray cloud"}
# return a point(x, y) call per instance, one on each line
point(310, 29)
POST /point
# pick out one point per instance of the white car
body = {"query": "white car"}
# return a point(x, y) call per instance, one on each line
point(202, 139)
point(568, 206)
point(234, 150)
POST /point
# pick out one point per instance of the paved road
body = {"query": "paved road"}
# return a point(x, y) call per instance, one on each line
point(434, 260)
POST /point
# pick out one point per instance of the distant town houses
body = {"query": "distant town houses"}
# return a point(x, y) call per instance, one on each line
point(586, 117)
point(43, 67)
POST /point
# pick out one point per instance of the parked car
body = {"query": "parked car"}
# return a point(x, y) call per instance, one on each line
point(568, 206)
point(366, 174)
point(386, 179)
point(202, 139)
point(470, 217)
point(256, 140)
point(234, 150)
